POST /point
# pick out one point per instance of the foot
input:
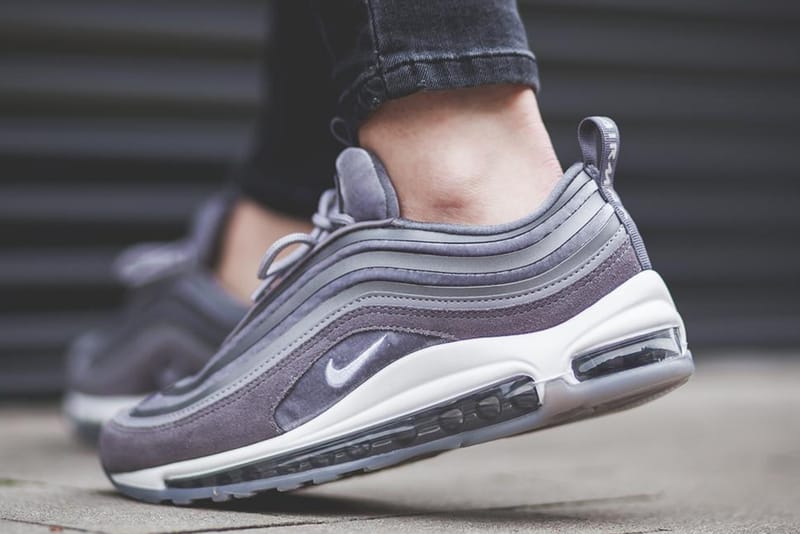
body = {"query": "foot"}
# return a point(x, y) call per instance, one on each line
point(468, 156)
point(386, 340)
point(175, 319)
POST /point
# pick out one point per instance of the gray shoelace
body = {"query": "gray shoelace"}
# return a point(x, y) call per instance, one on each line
point(328, 218)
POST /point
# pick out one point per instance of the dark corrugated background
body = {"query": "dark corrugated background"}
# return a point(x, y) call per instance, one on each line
point(118, 116)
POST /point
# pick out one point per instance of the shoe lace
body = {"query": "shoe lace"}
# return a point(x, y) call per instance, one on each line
point(326, 220)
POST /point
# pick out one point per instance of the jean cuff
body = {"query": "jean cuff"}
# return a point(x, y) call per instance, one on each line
point(404, 77)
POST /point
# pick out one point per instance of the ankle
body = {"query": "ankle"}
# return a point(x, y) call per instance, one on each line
point(251, 229)
point(475, 156)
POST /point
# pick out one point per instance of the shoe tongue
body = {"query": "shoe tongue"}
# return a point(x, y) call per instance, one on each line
point(143, 263)
point(365, 192)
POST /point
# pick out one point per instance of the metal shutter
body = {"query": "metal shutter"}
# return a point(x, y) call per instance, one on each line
point(706, 96)
point(117, 117)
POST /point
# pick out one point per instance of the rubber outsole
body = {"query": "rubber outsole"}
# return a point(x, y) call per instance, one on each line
point(518, 408)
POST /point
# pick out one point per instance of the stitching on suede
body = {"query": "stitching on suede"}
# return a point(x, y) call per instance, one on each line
point(504, 271)
point(310, 332)
point(321, 267)
point(503, 312)
point(224, 395)
point(572, 274)
point(340, 323)
point(325, 264)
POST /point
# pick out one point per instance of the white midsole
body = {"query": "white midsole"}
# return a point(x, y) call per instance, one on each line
point(97, 409)
point(431, 375)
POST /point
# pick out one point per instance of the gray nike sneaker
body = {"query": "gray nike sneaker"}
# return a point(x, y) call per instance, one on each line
point(174, 321)
point(383, 340)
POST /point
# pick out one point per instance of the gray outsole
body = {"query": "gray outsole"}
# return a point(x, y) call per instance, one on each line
point(561, 403)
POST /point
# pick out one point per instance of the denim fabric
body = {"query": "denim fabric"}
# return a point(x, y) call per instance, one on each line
point(341, 60)
point(385, 49)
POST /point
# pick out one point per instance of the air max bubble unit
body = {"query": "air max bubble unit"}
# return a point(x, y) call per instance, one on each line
point(383, 340)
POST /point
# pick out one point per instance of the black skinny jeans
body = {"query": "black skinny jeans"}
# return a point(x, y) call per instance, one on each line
point(333, 62)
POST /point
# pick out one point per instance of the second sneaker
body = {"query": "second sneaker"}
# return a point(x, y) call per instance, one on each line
point(175, 318)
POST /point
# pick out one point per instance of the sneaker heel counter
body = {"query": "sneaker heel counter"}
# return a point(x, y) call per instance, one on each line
point(630, 227)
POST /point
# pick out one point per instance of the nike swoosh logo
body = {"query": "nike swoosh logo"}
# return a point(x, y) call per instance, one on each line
point(337, 378)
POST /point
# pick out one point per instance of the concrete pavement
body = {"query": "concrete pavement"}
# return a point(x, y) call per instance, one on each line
point(722, 454)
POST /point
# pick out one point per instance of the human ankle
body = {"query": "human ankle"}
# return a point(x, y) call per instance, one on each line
point(471, 156)
point(251, 229)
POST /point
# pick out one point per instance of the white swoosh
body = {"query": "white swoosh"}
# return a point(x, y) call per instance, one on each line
point(337, 378)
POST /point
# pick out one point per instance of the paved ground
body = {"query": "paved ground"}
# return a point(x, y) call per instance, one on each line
point(720, 455)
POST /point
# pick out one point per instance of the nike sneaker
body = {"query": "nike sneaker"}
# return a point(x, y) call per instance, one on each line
point(175, 318)
point(382, 340)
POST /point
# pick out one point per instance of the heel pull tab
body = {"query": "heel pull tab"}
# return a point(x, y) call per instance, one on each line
point(599, 141)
